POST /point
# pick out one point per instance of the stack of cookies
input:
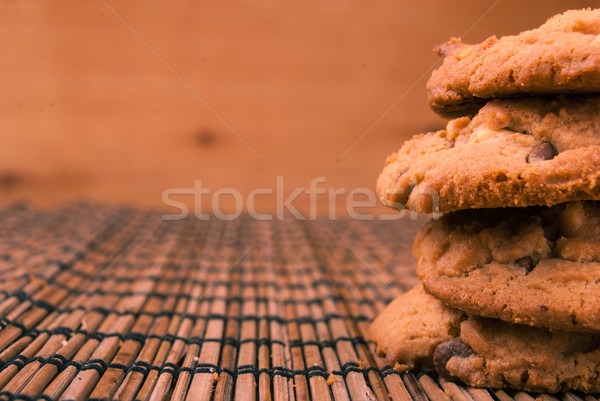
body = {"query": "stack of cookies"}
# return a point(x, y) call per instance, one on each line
point(510, 292)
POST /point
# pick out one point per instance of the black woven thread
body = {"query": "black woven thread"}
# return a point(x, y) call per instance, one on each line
point(11, 396)
point(330, 292)
point(22, 296)
point(138, 337)
point(139, 366)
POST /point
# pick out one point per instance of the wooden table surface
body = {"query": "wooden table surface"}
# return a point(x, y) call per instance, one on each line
point(121, 100)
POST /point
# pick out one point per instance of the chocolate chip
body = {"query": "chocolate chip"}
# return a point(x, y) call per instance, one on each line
point(447, 350)
point(501, 177)
point(526, 263)
point(543, 308)
point(543, 151)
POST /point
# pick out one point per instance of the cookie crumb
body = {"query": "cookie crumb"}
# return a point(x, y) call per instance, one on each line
point(215, 376)
point(361, 364)
point(331, 379)
point(400, 367)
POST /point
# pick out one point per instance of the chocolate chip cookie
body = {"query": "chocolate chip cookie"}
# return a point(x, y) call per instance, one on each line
point(537, 266)
point(410, 328)
point(562, 56)
point(519, 152)
point(493, 353)
point(417, 330)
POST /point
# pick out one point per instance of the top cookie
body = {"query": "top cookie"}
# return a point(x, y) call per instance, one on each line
point(560, 57)
point(520, 152)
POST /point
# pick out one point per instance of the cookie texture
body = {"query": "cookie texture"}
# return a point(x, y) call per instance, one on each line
point(519, 152)
point(411, 327)
point(536, 266)
point(562, 56)
point(417, 330)
point(498, 354)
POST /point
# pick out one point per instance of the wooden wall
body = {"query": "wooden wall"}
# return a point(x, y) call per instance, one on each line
point(120, 100)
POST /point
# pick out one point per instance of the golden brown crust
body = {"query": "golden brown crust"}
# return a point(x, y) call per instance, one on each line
point(526, 358)
point(496, 354)
point(484, 162)
point(561, 56)
point(535, 266)
point(410, 328)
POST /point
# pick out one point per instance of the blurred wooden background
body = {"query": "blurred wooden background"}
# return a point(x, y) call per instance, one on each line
point(101, 99)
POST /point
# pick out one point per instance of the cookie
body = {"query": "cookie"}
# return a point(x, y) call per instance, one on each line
point(411, 326)
point(496, 354)
point(560, 57)
point(519, 152)
point(417, 330)
point(536, 266)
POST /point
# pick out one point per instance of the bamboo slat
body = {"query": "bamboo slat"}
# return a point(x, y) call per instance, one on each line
point(106, 302)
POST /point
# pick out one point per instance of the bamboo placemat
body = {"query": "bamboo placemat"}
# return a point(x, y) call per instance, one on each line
point(104, 302)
